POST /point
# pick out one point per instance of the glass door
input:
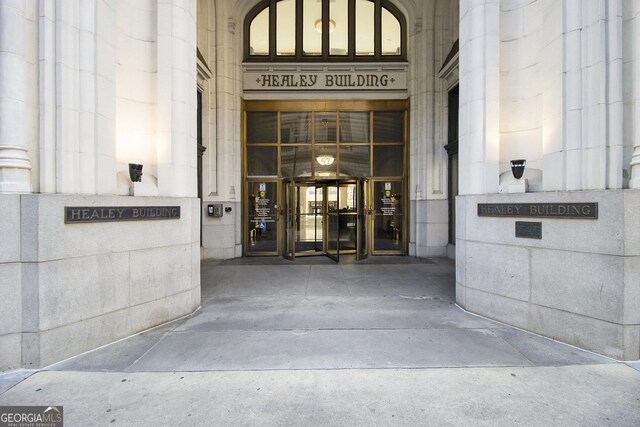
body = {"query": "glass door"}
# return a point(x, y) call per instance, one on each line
point(331, 203)
point(308, 212)
point(388, 217)
point(262, 217)
point(348, 217)
point(364, 215)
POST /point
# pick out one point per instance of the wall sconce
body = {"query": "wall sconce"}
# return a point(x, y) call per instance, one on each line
point(517, 168)
point(135, 172)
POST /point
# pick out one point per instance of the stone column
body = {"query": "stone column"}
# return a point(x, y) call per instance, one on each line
point(635, 117)
point(15, 167)
point(479, 96)
point(176, 98)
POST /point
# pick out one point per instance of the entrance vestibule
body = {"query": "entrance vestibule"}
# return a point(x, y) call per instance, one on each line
point(325, 178)
point(325, 218)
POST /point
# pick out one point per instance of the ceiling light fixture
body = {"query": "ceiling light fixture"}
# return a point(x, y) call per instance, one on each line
point(325, 160)
point(318, 25)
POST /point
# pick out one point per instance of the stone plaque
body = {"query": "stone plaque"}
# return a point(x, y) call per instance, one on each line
point(77, 214)
point(540, 210)
point(529, 230)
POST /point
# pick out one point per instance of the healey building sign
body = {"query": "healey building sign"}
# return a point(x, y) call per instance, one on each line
point(325, 80)
point(540, 210)
point(76, 214)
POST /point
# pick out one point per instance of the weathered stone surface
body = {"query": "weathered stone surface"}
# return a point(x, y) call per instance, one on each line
point(582, 274)
point(588, 284)
point(10, 228)
point(498, 269)
point(10, 298)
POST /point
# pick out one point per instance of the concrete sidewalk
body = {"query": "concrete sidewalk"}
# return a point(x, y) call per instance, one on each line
point(587, 395)
point(317, 343)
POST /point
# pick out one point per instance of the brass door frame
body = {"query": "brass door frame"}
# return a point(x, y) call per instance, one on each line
point(245, 218)
point(363, 219)
point(371, 106)
point(316, 184)
point(405, 216)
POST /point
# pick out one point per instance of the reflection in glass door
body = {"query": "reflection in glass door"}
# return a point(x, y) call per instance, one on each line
point(388, 226)
point(348, 217)
point(332, 221)
point(262, 218)
point(308, 216)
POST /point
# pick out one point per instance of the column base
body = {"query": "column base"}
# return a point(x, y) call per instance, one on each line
point(15, 180)
point(15, 170)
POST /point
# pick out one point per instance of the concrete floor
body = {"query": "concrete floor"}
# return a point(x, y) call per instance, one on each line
point(313, 342)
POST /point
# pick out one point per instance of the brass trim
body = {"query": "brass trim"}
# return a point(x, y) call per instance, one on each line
point(333, 106)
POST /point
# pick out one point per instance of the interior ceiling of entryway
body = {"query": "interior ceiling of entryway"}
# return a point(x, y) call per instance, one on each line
point(312, 12)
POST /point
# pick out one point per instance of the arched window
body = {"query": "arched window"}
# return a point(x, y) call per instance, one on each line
point(325, 30)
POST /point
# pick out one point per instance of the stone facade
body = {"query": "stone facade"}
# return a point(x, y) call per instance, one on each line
point(88, 86)
point(555, 83)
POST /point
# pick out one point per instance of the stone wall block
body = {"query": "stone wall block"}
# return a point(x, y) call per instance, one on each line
point(501, 230)
point(10, 228)
point(632, 222)
point(437, 236)
point(497, 307)
point(11, 297)
point(218, 236)
point(10, 351)
point(57, 240)
point(69, 340)
point(160, 311)
point(631, 337)
point(460, 295)
point(584, 332)
point(160, 272)
point(437, 211)
point(507, 272)
point(195, 266)
point(77, 289)
point(632, 290)
point(587, 284)
point(461, 261)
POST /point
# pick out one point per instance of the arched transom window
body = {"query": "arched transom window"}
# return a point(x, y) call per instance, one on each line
point(325, 30)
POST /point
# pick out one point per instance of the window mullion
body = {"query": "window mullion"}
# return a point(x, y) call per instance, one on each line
point(299, 28)
point(272, 29)
point(352, 30)
point(325, 29)
point(377, 30)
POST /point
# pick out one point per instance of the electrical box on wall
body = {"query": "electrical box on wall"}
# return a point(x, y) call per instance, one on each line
point(215, 209)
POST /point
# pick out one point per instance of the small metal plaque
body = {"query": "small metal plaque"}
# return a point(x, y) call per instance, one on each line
point(78, 214)
point(529, 230)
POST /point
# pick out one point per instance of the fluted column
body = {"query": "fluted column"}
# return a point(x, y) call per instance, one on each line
point(15, 167)
point(479, 140)
point(635, 84)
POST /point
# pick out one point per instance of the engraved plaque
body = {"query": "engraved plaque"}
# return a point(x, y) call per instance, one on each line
point(540, 210)
point(80, 214)
point(529, 230)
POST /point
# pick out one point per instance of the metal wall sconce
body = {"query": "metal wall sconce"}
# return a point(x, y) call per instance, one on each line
point(517, 168)
point(135, 172)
